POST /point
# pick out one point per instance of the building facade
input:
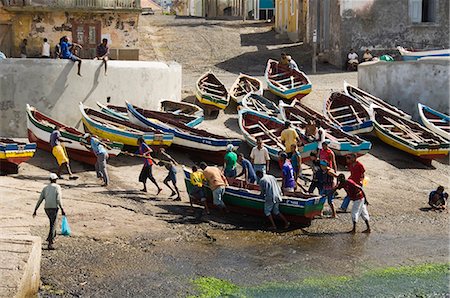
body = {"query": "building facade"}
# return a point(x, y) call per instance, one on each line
point(379, 25)
point(86, 22)
point(287, 16)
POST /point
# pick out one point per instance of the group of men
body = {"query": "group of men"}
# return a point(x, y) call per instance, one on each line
point(67, 50)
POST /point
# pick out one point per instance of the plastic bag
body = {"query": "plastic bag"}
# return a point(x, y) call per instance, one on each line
point(65, 229)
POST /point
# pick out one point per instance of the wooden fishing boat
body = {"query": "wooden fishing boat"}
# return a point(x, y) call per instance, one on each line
point(210, 91)
point(41, 126)
point(367, 99)
point(123, 115)
point(285, 82)
point(255, 125)
point(13, 153)
point(347, 113)
point(112, 128)
point(299, 208)
point(209, 146)
point(437, 122)
point(414, 55)
point(408, 135)
point(244, 85)
point(341, 142)
point(184, 109)
point(260, 104)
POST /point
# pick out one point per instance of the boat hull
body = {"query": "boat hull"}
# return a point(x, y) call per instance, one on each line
point(183, 108)
point(13, 154)
point(409, 55)
point(436, 116)
point(250, 202)
point(218, 96)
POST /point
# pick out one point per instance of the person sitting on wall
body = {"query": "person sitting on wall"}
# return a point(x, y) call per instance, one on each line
point(352, 61)
point(102, 52)
point(367, 56)
point(66, 52)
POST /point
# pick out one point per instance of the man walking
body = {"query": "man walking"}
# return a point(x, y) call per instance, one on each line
point(102, 156)
point(357, 171)
point(217, 182)
point(52, 196)
point(59, 152)
point(271, 192)
point(146, 172)
point(260, 158)
point(103, 53)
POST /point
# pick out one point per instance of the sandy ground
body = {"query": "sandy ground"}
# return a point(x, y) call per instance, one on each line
point(128, 243)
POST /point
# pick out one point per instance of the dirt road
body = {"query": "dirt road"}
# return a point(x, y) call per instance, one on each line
point(128, 243)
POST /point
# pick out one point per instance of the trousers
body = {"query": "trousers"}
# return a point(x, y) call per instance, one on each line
point(52, 214)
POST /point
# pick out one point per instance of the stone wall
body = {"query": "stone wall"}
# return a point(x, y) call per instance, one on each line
point(35, 26)
point(54, 88)
point(405, 83)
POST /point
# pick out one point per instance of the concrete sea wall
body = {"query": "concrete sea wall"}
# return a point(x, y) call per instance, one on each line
point(405, 83)
point(54, 88)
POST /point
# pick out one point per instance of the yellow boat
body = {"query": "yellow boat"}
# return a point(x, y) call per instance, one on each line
point(210, 91)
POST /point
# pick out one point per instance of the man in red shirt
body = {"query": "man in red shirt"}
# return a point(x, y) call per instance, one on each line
point(357, 171)
point(328, 155)
point(357, 195)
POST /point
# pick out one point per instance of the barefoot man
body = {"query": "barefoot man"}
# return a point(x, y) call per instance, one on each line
point(146, 171)
point(59, 152)
point(271, 192)
point(357, 195)
point(103, 53)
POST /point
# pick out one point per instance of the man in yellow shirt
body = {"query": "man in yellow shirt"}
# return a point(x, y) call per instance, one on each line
point(289, 137)
point(217, 182)
point(197, 191)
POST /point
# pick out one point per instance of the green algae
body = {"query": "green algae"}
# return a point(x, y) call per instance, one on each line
point(423, 280)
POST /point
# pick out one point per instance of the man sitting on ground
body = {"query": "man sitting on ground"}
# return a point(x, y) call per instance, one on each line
point(438, 199)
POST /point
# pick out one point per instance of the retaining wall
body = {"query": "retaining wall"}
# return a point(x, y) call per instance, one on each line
point(405, 83)
point(54, 88)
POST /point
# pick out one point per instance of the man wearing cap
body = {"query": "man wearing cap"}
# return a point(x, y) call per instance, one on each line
point(52, 196)
point(260, 158)
point(217, 182)
point(357, 195)
point(60, 153)
point(288, 182)
point(289, 137)
point(230, 162)
point(102, 156)
point(271, 192)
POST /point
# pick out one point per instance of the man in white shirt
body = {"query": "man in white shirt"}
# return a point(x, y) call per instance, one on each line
point(260, 158)
point(353, 57)
point(45, 49)
point(292, 64)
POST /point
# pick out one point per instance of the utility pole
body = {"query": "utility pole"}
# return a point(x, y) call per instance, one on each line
point(314, 39)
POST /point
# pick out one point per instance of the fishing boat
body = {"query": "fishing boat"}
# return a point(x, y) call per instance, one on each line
point(367, 99)
point(414, 55)
point(298, 208)
point(285, 82)
point(255, 125)
point(123, 115)
point(212, 92)
point(408, 135)
point(347, 113)
point(260, 104)
point(437, 122)
point(341, 142)
point(209, 146)
point(13, 153)
point(184, 109)
point(41, 126)
point(244, 85)
point(112, 128)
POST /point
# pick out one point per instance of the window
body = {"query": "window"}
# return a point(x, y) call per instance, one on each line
point(422, 11)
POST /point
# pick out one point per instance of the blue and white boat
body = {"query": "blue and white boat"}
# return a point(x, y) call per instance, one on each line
point(260, 104)
point(341, 142)
point(414, 55)
point(347, 113)
point(255, 125)
point(209, 146)
point(435, 121)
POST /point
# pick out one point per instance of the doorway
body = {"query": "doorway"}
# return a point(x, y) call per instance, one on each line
point(87, 35)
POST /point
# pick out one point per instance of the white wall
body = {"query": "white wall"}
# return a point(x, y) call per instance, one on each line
point(54, 88)
point(405, 83)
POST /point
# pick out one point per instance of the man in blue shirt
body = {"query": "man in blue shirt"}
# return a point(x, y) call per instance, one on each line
point(247, 169)
point(66, 53)
point(289, 183)
point(102, 156)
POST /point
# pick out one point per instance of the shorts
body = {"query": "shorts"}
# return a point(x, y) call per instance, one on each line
point(330, 197)
point(218, 196)
point(60, 154)
point(198, 193)
point(146, 172)
point(359, 209)
point(172, 176)
point(271, 208)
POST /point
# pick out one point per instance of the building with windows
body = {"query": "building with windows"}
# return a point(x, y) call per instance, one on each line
point(379, 25)
point(87, 22)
